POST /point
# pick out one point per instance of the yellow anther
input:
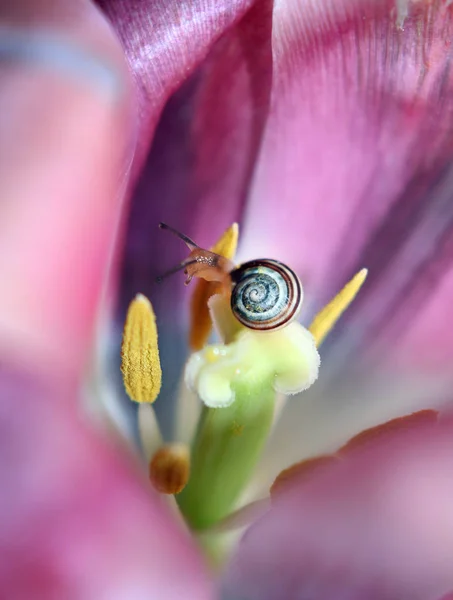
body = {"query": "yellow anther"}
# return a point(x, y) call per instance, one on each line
point(329, 315)
point(226, 245)
point(169, 468)
point(200, 319)
point(140, 364)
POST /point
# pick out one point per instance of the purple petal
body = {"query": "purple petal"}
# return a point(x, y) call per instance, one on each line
point(198, 170)
point(164, 41)
point(75, 520)
point(204, 148)
point(378, 526)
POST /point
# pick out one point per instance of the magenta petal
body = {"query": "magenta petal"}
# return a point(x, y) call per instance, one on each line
point(378, 526)
point(75, 521)
point(354, 168)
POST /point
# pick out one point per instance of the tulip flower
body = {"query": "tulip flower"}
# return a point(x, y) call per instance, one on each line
point(323, 129)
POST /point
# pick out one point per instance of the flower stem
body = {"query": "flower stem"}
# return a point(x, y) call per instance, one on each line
point(226, 448)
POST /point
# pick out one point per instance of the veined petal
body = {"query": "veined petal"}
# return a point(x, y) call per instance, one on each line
point(352, 97)
point(164, 42)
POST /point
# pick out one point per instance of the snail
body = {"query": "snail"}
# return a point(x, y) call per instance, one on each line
point(265, 294)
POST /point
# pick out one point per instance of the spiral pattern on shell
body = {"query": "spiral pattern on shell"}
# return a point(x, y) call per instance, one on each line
point(266, 294)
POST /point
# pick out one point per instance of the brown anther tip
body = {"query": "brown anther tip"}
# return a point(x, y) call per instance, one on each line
point(169, 468)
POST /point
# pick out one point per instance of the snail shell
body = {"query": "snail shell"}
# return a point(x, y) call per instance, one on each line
point(266, 294)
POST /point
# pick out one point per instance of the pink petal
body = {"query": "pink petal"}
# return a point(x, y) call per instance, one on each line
point(303, 469)
point(377, 526)
point(63, 153)
point(75, 520)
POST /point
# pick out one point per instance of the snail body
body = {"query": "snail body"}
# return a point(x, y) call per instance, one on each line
point(265, 293)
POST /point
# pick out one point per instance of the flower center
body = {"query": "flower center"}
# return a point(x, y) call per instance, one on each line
point(262, 352)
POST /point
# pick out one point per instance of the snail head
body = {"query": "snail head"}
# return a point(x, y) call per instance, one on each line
point(200, 262)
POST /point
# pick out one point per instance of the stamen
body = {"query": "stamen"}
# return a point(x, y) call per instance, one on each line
point(148, 430)
point(169, 468)
point(329, 315)
point(200, 319)
point(140, 364)
point(225, 323)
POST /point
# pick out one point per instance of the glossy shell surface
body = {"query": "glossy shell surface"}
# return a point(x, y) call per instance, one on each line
point(266, 294)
